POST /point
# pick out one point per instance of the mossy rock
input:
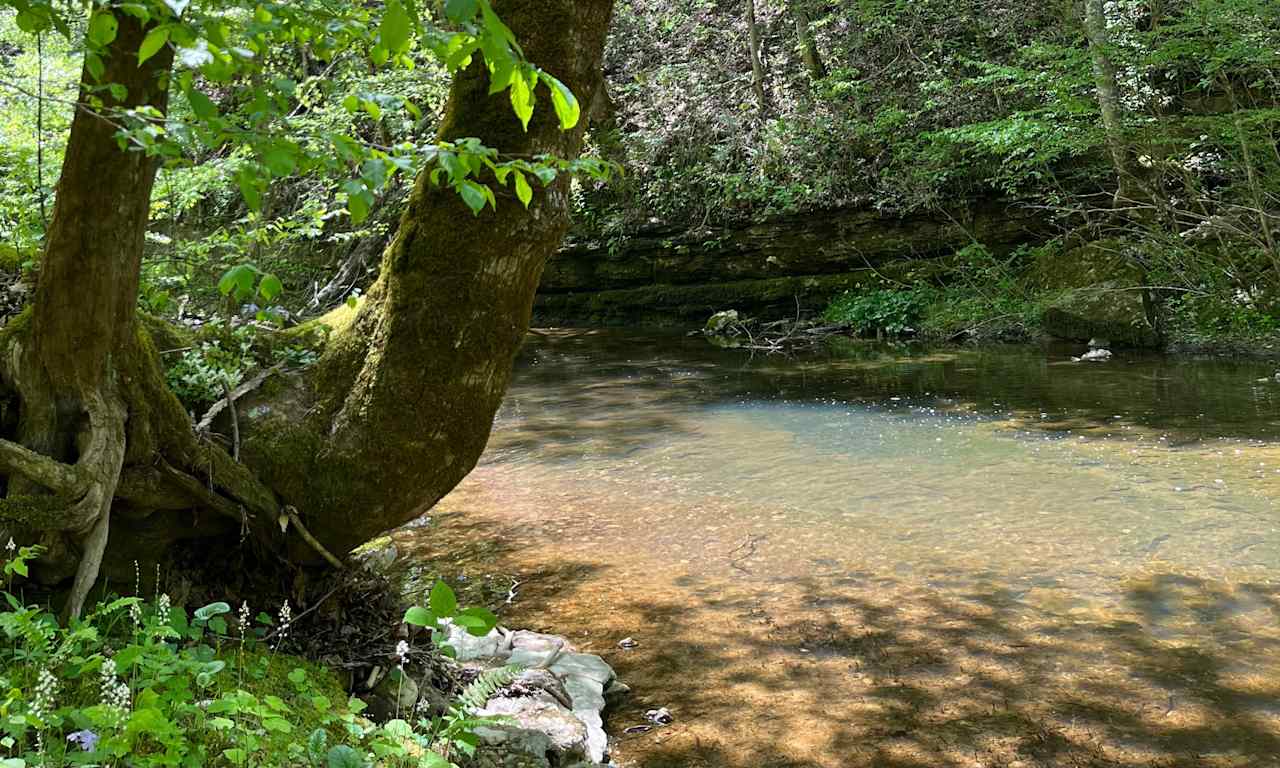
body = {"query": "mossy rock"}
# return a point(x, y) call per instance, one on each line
point(1112, 310)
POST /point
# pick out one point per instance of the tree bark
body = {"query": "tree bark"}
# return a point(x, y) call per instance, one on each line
point(396, 412)
point(402, 402)
point(757, 66)
point(809, 52)
point(1108, 88)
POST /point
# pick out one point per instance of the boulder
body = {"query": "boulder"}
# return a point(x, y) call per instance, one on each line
point(564, 732)
point(1113, 310)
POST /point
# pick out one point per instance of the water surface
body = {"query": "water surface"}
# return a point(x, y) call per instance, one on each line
point(879, 556)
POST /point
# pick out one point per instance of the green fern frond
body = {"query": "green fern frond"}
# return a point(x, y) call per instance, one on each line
point(478, 693)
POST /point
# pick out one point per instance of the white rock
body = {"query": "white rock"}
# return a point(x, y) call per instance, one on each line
point(470, 647)
point(565, 730)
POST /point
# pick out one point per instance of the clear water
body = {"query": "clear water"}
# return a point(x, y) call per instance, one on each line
point(896, 556)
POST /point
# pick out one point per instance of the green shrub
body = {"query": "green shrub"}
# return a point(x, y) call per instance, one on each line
point(891, 312)
point(145, 683)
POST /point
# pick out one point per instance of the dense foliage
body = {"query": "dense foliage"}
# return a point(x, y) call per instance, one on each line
point(143, 682)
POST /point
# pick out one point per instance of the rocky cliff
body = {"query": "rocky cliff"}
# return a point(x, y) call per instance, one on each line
point(674, 277)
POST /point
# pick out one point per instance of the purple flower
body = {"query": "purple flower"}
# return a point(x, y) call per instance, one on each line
point(86, 740)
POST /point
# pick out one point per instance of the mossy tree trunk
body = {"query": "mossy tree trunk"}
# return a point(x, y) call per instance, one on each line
point(1108, 93)
point(809, 53)
point(396, 412)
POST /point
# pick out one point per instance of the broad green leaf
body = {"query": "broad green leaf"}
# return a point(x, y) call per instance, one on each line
point(269, 288)
point(212, 609)
point(396, 27)
point(443, 601)
point(476, 620)
point(419, 617)
point(565, 103)
point(152, 43)
point(459, 11)
point(102, 29)
point(237, 281)
point(522, 98)
point(343, 756)
point(93, 63)
point(281, 158)
point(201, 105)
point(523, 191)
point(247, 180)
point(475, 199)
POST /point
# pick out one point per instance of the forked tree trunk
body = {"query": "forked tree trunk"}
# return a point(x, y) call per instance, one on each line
point(398, 409)
point(400, 406)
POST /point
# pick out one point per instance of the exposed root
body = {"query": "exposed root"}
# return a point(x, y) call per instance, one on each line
point(312, 541)
point(95, 546)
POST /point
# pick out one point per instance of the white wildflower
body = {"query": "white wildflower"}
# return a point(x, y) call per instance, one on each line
point(284, 619)
point(46, 689)
point(115, 692)
point(163, 610)
point(242, 618)
point(402, 654)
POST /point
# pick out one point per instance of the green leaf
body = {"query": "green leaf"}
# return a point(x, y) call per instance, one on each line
point(443, 601)
point(212, 609)
point(281, 158)
point(270, 287)
point(522, 98)
point(201, 105)
point(474, 197)
point(478, 621)
point(102, 29)
point(394, 32)
point(247, 179)
point(152, 43)
point(459, 11)
point(564, 101)
point(523, 191)
point(237, 281)
point(343, 756)
point(93, 63)
point(419, 617)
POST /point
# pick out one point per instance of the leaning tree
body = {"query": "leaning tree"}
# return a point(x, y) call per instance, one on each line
point(100, 461)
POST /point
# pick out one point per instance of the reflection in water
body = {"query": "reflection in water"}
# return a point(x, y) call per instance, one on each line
point(897, 558)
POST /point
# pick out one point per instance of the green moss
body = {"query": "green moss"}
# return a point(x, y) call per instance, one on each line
point(692, 304)
point(37, 511)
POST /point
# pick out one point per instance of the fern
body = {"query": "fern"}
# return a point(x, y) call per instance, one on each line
point(478, 693)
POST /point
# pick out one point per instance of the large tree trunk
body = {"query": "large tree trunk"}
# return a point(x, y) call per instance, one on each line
point(1108, 89)
point(65, 369)
point(401, 404)
point(398, 409)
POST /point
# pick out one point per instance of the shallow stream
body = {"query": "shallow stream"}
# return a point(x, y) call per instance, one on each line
point(894, 556)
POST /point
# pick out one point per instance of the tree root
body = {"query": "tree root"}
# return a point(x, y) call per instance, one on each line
point(312, 541)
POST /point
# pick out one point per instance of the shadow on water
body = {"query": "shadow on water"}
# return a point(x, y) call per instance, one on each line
point(844, 562)
point(868, 670)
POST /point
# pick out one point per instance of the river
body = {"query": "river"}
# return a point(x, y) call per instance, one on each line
point(892, 556)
